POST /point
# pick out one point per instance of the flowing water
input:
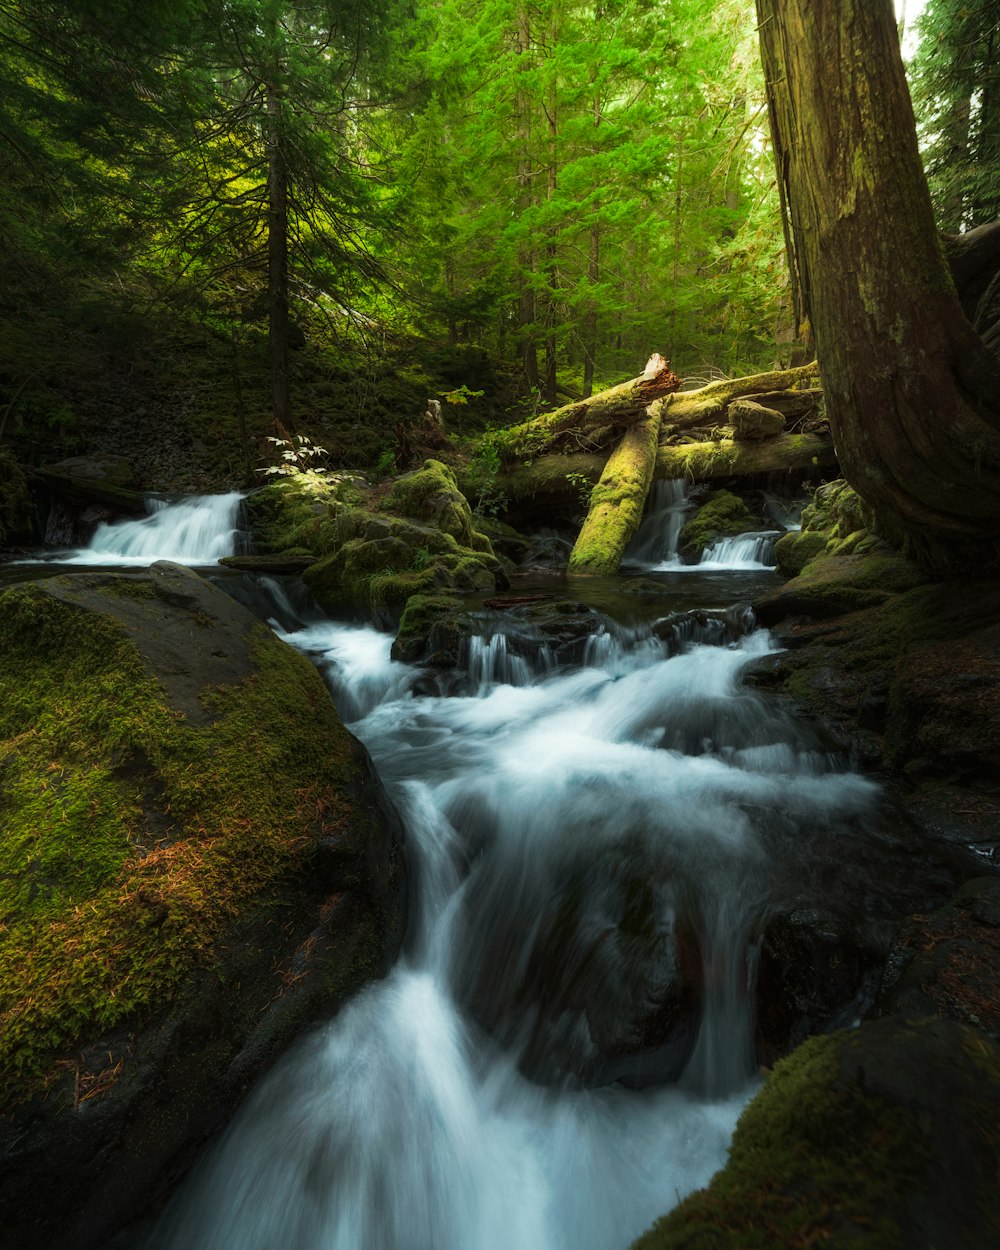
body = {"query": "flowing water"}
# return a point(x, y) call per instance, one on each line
point(563, 1049)
point(574, 829)
point(197, 531)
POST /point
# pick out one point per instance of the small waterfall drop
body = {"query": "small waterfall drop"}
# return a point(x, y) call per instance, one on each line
point(198, 530)
point(655, 541)
point(552, 820)
point(745, 551)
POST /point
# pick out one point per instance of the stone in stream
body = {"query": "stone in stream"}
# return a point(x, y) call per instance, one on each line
point(197, 861)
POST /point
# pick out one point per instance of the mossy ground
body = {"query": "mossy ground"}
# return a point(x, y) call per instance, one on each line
point(131, 836)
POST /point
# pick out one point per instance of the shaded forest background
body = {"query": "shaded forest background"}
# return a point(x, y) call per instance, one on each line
point(218, 216)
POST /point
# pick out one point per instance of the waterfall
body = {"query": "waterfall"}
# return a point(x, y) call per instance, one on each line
point(655, 541)
point(198, 530)
point(551, 820)
point(745, 551)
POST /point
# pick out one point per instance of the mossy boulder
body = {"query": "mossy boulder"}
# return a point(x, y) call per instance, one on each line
point(868, 1139)
point(431, 630)
point(831, 585)
point(793, 551)
point(836, 522)
point(377, 546)
point(752, 421)
point(722, 515)
point(431, 494)
point(196, 859)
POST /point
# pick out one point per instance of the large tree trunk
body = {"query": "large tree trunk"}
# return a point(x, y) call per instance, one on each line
point(912, 395)
point(582, 423)
point(617, 501)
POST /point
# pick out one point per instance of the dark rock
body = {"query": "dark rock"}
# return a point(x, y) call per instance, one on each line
point(815, 974)
point(947, 962)
point(218, 868)
point(880, 1136)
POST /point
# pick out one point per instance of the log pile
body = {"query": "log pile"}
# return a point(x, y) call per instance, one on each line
point(646, 428)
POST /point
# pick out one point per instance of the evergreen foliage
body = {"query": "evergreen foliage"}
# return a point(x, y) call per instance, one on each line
point(955, 81)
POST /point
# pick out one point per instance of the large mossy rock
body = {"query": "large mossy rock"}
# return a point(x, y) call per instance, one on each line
point(752, 421)
point(722, 515)
point(196, 860)
point(378, 547)
point(836, 522)
point(877, 1138)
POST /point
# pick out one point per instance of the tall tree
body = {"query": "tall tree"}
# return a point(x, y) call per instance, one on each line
point(912, 394)
point(955, 80)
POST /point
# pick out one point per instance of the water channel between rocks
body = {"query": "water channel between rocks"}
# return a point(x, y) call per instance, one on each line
point(564, 1047)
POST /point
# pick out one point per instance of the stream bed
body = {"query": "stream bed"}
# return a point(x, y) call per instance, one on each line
point(600, 854)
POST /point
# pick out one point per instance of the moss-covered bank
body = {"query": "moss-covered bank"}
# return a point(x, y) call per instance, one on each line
point(881, 1138)
point(378, 546)
point(182, 812)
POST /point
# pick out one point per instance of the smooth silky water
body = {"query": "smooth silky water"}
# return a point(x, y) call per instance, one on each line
point(408, 1122)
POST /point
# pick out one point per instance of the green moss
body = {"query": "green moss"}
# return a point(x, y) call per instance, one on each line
point(792, 552)
point(130, 837)
point(722, 515)
point(817, 1159)
point(617, 501)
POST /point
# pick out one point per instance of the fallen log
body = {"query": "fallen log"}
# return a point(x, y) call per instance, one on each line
point(700, 462)
point(558, 478)
point(617, 501)
point(707, 406)
point(587, 423)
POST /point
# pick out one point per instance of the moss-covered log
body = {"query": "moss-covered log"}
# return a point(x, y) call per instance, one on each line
point(701, 462)
point(587, 424)
point(707, 405)
point(559, 477)
point(617, 500)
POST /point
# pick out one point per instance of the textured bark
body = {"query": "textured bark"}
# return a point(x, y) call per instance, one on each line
point(701, 462)
point(707, 405)
point(558, 477)
point(579, 423)
point(617, 500)
point(913, 397)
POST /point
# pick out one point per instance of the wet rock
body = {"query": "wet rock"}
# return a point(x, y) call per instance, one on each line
point(215, 865)
point(815, 974)
point(595, 974)
point(880, 1136)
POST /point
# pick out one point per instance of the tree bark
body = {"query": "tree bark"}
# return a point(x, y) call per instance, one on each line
point(913, 397)
point(617, 501)
point(559, 477)
point(707, 406)
point(581, 422)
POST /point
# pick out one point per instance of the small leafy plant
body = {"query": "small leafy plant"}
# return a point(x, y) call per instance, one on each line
point(299, 454)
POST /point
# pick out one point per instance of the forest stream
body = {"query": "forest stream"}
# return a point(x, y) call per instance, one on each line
point(565, 1044)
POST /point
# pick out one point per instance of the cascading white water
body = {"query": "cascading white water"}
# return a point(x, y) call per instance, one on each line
point(408, 1122)
point(745, 551)
point(199, 530)
point(655, 541)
